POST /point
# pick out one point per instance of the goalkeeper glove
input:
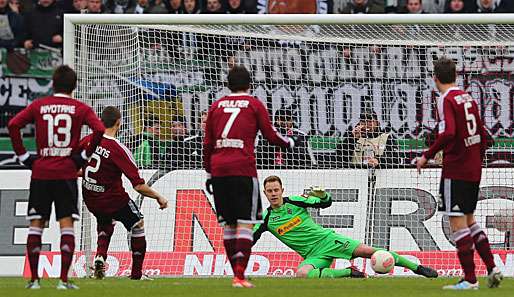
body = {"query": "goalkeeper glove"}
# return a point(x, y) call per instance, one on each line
point(317, 191)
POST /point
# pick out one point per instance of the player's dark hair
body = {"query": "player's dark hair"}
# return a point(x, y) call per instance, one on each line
point(272, 178)
point(64, 80)
point(110, 115)
point(445, 70)
point(238, 79)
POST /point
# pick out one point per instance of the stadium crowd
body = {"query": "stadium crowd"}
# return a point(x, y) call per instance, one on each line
point(32, 24)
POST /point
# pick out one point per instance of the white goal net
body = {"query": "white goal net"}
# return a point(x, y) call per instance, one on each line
point(360, 97)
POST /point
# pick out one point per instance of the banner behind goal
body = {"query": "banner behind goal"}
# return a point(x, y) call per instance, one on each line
point(359, 93)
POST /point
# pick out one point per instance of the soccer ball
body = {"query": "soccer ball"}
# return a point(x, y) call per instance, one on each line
point(382, 261)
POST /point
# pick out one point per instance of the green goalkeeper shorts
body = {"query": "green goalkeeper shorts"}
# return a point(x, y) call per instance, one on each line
point(334, 246)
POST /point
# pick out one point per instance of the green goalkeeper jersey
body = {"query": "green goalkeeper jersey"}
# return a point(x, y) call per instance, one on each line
point(293, 225)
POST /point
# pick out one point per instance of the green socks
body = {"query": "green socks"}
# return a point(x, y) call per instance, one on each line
point(400, 260)
point(329, 273)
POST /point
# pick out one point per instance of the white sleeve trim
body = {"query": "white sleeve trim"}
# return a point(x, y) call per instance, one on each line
point(24, 157)
point(84, 155)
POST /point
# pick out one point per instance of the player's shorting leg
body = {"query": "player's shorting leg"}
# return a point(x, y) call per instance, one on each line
point(33, 251)
point(241, 255)
point(365, 251)
point(138, 246)
point(105, 232)
point(484, 250)
point(310, 271)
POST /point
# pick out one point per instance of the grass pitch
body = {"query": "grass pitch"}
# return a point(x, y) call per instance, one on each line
point(269, 287)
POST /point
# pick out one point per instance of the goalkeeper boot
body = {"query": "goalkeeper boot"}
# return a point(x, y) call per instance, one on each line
point(66, 286)
point(99, 267)
point(241, 283)
point(494, 278)
point(462, 285)
point(33, 285)
point(426, 271)
point(356, 273)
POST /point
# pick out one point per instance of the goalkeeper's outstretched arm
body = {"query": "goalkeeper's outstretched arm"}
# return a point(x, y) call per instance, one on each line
point(316, 198)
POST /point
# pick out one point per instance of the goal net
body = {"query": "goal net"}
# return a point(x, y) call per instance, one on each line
point(359, 95)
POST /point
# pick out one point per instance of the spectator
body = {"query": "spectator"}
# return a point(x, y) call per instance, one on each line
point(72, 6)
point(193, 146)
point(44, 25)
point(301, 156)
point(236, 7)
point(367, 145)
point(414, 6)
point(429, 6)
point(147, 150)
point(177, 150)
point(142, 6)
point(190, 6)
point(173, 6)
point(363, 6)
point(158, 6)
point(492, 6)
point(11, 25)
point(118, 6)
point(96, 6)
point(214, 7)
point(455, 6)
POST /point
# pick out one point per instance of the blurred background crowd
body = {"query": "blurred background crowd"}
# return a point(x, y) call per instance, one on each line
point(30, 23)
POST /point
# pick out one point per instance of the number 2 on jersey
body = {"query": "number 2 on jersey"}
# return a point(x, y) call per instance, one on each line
point(234, 112)
point(91, 169)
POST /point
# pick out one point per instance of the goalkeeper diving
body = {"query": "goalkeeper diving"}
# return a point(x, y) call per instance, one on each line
point(288, 220)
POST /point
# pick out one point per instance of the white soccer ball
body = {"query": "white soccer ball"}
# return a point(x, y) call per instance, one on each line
point(382, 261)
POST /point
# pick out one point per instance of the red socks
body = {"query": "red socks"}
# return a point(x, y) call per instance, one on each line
point(229, 242)
point(243, 250)
point(33, 250)
point(482, 246)
point(465, 253)
point(138, 246)
point(67, 249)
point(104, 238)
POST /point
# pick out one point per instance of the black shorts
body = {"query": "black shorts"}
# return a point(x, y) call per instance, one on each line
point(63, 193)
point(237, 199)
point(129, 216)
point(457, 197)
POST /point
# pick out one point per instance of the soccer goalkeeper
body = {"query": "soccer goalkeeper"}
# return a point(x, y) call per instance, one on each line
point(288, 220)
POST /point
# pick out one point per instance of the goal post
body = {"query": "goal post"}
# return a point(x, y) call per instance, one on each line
point(356, 89)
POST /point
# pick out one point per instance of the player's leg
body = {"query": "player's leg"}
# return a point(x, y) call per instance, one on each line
point(65, 195)
point(38, 212)
point(334, 246)
point(248, 212)
point(320, 268)
point(458, 199)
point(226, 218)
point(33, 250)
point(365, 251)
point(104, 229)
point(138, 246)
point(132, 219)
point(484, 250)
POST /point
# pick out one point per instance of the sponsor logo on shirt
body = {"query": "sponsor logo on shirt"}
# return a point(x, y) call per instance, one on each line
point(290, 225)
